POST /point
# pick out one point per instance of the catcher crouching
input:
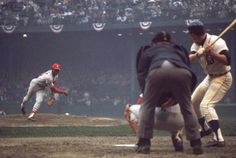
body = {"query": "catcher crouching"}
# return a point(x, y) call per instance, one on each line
point(167, 117)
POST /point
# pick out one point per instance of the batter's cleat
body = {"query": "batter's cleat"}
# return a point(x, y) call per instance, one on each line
point(143, 146)
point(215, 143)
point(206, 132)
point(177, 141)
point(32, 116)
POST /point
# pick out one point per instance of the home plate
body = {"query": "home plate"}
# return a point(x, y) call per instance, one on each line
point(125, 145)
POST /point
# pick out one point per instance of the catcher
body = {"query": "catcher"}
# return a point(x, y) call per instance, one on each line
point(39, 87)
point(167, 117)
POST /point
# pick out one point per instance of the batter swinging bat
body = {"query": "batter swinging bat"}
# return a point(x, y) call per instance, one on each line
point(224, 31)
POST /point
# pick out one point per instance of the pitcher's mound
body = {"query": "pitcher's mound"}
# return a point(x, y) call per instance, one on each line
point(54, 120)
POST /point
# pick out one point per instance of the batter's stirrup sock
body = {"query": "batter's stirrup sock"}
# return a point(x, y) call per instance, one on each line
point(215, 125)
point(202, 123)
point(206, 130)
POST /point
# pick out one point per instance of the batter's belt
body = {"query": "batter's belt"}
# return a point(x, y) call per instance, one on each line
point(220, 74)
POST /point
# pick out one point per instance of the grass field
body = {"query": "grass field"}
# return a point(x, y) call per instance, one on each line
point(228, 128)
point(17, 132)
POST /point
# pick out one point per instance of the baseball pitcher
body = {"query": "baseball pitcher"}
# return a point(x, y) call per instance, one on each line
point(39, 86)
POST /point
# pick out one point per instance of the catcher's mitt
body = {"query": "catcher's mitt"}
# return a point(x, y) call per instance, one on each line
point(51, 101)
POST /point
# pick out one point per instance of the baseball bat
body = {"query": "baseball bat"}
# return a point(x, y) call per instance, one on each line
point(224, 31)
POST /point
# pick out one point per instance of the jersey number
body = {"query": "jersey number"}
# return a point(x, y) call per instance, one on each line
point(209, 59)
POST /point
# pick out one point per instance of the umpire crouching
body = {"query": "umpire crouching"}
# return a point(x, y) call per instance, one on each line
point(163, 71)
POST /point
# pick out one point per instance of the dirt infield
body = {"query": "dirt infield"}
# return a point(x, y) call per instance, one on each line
point(101, 147)
point(53, 120)
point(93, 147)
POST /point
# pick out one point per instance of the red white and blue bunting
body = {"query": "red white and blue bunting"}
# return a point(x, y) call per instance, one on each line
point(8, 28)
point(99, 26)
point(56, 28)
point(145, 25)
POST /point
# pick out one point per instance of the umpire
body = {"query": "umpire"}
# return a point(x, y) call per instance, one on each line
point(163, 71)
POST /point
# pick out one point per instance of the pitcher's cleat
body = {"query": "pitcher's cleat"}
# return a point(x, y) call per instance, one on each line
point(31, 119)
point(32, 116)
point(22, 109)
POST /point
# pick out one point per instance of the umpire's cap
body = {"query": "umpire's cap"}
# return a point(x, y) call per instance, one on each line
point(162, 37)
point(196, 27)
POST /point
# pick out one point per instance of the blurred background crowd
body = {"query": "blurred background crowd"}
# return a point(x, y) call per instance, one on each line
point(38, 12)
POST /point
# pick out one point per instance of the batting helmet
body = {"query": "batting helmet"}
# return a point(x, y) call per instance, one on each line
point(56, 66)
point(196, 27)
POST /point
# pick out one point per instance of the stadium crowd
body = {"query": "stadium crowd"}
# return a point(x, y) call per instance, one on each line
point(38, 12)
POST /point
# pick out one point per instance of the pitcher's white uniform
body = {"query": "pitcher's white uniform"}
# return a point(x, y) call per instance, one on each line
point(39, 86)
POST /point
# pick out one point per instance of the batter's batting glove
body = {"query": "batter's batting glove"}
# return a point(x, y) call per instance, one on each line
point(201, 51)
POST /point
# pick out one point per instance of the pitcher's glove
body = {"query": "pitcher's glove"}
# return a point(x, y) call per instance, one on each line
point(51, 101)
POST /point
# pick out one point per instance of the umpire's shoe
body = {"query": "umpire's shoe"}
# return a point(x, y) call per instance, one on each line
point(204, 133)
point(177, 141)
point(144, 146)
point(196, 146)
point(215, 143)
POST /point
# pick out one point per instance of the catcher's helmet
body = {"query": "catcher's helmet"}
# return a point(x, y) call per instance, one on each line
point(56, 66)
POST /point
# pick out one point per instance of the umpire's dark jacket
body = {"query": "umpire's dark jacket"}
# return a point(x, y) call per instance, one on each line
point(152, 58)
